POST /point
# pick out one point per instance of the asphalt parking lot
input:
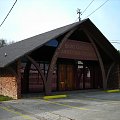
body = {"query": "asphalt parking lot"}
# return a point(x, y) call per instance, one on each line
point(95, 105)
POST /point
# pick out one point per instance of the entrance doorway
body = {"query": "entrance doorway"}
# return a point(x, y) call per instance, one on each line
point(88, 75)
point(66, 77)
point(79, 75)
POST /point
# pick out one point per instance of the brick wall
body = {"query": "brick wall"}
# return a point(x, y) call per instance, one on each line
point(8, 84)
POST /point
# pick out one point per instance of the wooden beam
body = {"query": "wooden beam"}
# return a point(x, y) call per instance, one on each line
point(19, 79)
point(13, 71)
point(84, 75)
point(25, 86)
point(109, 70)
point(99, 58)
point(97, 36)
point(119, 75)
point(54, 59)
point(38, 68)
point(16, 73)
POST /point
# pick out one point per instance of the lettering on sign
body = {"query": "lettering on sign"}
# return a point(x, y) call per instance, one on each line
point(78, 50)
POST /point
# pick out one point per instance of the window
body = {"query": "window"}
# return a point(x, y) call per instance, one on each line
point(52, 43)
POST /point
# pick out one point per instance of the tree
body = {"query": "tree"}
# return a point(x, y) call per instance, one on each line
point(2, 43)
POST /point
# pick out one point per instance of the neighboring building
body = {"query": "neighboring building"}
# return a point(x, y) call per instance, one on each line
point(73, 57)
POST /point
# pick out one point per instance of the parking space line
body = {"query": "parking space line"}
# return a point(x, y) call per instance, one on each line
point(94, 99)
point(26, 117)
point(103, 100)
point(69, 106)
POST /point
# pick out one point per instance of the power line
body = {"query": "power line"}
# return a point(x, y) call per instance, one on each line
point(8, 13)
point(81, 13)
point(88, 6)
point(98, 8)
point(116, 42)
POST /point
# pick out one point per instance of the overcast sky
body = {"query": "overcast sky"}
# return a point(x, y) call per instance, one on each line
point(32, 17)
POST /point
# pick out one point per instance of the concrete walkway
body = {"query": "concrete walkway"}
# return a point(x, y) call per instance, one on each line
point(96, 105)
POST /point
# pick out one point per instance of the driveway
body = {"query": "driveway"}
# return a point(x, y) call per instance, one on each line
point(78, 105)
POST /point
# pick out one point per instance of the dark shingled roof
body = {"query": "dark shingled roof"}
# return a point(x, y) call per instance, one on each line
point(19, 49)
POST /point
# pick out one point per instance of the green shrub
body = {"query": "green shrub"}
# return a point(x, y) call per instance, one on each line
point(4, 98)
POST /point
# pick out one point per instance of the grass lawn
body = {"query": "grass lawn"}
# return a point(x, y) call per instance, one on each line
point(4, 98)
point(113, 91)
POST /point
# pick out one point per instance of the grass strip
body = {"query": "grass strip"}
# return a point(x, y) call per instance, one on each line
point(4, 98)
point(113, 91)
point(54, 96)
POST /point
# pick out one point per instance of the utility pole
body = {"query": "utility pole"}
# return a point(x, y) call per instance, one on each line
point(79, 13)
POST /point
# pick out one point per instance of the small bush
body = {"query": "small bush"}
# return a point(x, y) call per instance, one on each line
point(4, 98)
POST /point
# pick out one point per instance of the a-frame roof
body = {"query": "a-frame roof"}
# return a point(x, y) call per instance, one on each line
point(10, 53)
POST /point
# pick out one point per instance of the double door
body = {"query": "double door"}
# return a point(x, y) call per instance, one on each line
point(88, 77)
point(66, 79)
point(72, 77)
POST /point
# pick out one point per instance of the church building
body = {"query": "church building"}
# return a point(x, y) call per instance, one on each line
point(73, 57)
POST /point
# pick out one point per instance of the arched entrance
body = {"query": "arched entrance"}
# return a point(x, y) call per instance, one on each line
point(79, 75)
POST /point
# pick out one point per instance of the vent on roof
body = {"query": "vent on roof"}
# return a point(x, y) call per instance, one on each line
point(5, 54)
